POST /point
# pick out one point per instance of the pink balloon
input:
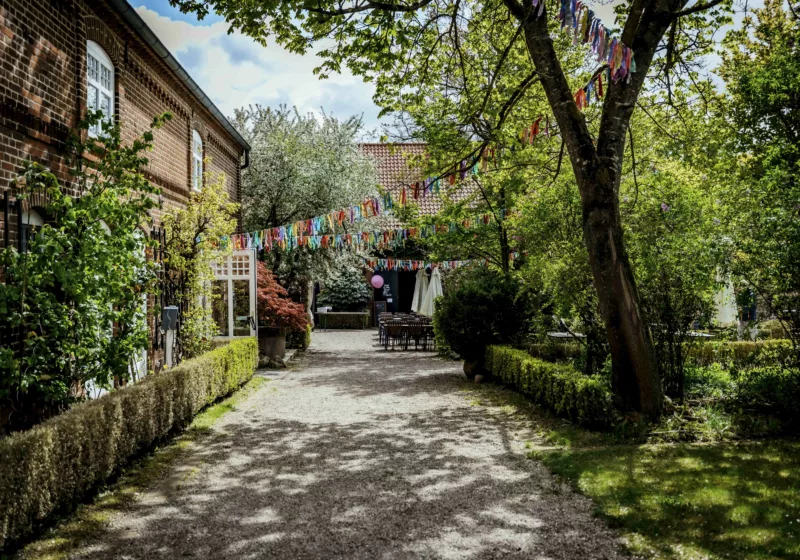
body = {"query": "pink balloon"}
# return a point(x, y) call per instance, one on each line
point(377, 281)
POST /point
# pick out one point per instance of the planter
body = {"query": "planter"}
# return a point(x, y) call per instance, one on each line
point(272, 343)
point(473, 368)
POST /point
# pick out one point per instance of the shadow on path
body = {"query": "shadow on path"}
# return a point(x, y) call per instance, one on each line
point(358, 454)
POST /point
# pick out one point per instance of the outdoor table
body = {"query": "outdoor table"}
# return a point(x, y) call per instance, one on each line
point(363, 317)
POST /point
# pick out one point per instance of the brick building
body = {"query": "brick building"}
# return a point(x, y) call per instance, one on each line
point(60, 57)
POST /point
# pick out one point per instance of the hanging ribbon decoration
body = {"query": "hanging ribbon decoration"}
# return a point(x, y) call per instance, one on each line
point(382, 265)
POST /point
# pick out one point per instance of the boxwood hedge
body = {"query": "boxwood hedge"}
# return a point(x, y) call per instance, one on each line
point(558, 387)
point(54, 465)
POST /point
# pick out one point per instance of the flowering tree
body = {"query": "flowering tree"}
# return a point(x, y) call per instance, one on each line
point(275, 309)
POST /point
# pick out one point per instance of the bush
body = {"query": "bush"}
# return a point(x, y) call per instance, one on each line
point(346, 290)
point(773, 390)
point(741, 354)
point(561, 388)
point(552, 352)
point(55, 464)
point(484, 309)
point(299, 339)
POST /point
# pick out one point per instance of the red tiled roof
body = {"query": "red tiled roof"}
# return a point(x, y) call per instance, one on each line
point(395, 168)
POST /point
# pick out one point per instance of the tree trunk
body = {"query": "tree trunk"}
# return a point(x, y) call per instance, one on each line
point(635, 378)
point(597, 164)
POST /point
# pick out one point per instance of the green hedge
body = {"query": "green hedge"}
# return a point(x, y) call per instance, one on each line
point(561, 388)
point(740, 354)
point(555, 351)
point(54, 465)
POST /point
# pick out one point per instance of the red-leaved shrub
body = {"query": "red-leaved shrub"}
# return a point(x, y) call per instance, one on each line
point(275, 309)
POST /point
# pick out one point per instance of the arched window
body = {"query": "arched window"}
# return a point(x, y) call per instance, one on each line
point(197, 160)
point(100, 84)
point(31, 221)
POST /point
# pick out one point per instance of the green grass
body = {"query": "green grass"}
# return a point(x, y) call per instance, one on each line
point(675, 500)
point(721, 500)
point(88, 520)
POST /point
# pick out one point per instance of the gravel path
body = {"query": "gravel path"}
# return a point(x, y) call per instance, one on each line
point(359, 453)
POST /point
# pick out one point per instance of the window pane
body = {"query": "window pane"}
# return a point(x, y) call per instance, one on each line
point(241, 308)
point(219, 307)
point(91, 98)
point(92, 65)
point(105, 105)
point(105, 77)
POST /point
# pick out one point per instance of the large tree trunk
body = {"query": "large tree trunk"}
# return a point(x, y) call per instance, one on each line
point(597, 164)
point(635, 378)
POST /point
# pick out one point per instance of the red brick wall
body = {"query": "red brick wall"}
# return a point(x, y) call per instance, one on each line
point(43, 89)
point(42, 95)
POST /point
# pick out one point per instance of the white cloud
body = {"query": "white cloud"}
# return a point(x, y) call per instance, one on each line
point(234, 71)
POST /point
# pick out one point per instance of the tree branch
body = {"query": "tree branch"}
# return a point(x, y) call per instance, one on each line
point(699, 7)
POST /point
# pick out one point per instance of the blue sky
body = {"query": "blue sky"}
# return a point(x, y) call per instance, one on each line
point(235, 71)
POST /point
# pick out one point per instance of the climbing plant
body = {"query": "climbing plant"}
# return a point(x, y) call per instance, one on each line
point(195, 238)
point(71, 302)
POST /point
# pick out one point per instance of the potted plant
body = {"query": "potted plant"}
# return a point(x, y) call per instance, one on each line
point(276, 313)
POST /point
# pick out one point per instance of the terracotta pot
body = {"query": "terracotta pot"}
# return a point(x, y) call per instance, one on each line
point(272, 343)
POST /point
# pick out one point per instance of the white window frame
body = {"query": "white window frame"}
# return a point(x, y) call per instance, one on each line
point(226, 271)
point(98, 85)
point(197, 160)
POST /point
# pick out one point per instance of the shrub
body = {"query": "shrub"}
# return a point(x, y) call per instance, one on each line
point(771, 389)
point(55, 464)
point(346, 290)
point(561, 388)
point(741, 354)
point(551, 352)
point(275, 308)
point(485, 308)
point(299, 339)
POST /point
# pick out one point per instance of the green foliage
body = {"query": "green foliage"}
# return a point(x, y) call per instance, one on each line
point(194, 239)
point(485, 308)
point(74, 300)
point(741, 354)
point(586, 400)
point(761, 69)
point(346, 290)
point(300, 340)
point(52, 466)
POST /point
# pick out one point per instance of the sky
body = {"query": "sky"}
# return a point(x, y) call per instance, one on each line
point(234, 71)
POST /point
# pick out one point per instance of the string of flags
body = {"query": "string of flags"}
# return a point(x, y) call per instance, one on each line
point(380, 265)
point(319, 232)
point(577, 17)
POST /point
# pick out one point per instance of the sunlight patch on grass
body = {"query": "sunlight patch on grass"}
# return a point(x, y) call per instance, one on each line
point(685, 501)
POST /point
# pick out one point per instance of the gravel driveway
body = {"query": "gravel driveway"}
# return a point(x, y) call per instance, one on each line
point(359, 453)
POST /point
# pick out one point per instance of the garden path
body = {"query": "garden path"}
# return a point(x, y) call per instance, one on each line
point(359, 453)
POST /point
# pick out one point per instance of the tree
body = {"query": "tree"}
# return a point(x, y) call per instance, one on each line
point(275, 309)
point(377, 39)
point(71, 303)
point(761, 69)
point(195, 237)
point(300, 166)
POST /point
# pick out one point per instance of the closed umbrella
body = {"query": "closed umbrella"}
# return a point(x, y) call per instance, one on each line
point(434, 291)
point(420, 289)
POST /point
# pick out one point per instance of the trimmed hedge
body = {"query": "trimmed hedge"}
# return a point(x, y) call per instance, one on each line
point(555, 351)
point(740, 354)
point(559, 387)
point(54, 465)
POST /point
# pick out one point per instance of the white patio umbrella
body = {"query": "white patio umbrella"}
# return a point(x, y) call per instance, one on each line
point(434, 291)
point(420, 289)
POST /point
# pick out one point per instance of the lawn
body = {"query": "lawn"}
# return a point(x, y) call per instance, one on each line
point(672, 500)
point(694, 500)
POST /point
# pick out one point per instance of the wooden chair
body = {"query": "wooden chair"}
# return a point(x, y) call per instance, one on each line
point(395, 334)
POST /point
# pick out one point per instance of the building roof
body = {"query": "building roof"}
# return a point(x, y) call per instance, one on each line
point(395, 166)
point(140, 27)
